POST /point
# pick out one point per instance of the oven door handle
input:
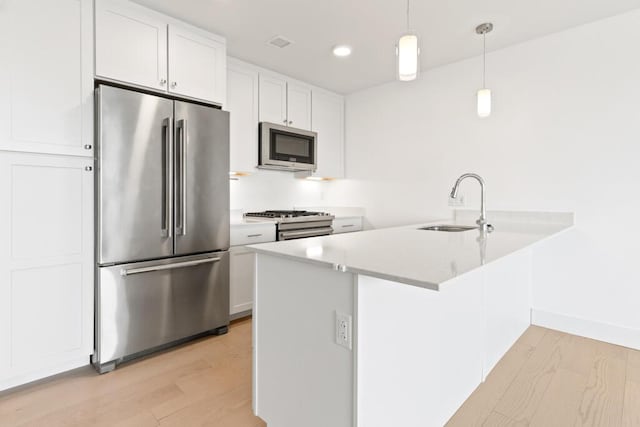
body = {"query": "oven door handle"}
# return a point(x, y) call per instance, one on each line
point(322, 231)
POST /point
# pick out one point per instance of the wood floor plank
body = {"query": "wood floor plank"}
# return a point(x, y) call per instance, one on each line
point(560, 403)
point(633, 365)
point(522, 398)
point(481, 403)
point(532, 336)
point(496, 419)
point(603, 399)
point(631, 410)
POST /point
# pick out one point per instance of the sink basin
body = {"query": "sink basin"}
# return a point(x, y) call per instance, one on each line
point(449, 228)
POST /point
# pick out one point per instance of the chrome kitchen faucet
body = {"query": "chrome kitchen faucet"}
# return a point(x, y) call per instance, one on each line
point(482, 221)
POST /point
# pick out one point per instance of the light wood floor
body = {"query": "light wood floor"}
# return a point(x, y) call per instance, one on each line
point(550, 379)
point(204, 383)
point(547, 379)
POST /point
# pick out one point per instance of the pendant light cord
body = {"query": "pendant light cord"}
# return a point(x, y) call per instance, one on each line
point(408, 26)
point(484, 60)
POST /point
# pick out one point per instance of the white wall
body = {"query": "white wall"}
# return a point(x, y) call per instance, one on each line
point(276, 190)
point(564, 136)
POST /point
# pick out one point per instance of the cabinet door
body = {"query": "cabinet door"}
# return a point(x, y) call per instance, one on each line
point(197, 65)
point(46, 265)
point(273, 100)
point(241, 279)
point(131, 44)
point(46, 76)
point(328, 122)
point(299, 107)
point(347, 225)
point(242, 103)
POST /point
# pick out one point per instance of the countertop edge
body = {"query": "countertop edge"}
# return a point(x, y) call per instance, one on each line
point(404, 280)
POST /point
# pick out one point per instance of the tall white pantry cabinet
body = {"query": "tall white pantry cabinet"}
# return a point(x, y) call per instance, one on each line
point(46, 188)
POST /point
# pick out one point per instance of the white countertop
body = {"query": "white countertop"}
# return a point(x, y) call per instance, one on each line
point(416, 257)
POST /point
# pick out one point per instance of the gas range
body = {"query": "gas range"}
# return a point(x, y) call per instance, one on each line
point(295, 224)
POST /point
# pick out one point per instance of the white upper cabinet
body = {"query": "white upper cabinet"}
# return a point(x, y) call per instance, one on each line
point(140, 47)
point(197, 65)
point(46, 76)
point(131, 44)
point(299, 106)
point(242, 103)
point(285, 103)
point(328, 122)
point(273, 100)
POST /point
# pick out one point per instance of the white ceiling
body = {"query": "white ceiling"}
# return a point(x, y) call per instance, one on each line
point(371, 27)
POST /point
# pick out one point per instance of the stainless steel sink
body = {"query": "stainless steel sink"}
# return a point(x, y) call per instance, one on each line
point(449, 228)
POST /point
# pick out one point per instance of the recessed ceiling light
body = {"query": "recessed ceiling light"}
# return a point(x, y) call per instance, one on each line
point(342, 50)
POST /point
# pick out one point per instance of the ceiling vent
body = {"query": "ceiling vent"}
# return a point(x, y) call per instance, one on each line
point(279, 41)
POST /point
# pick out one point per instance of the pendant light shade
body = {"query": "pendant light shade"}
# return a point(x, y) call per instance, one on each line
point(484, 102)
point(408, 54)
point(484, 94)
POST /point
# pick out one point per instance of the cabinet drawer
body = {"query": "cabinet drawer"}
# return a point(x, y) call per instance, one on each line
point(249, 234)
point(347, 225)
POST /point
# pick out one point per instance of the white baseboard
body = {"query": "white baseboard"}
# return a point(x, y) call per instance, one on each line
point(606, 332)
point(39, 374)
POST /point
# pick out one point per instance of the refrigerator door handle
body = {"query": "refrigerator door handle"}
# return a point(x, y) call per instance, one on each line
point(182, 137)
point(168, 179)
point(183, 181)
point(130, 271)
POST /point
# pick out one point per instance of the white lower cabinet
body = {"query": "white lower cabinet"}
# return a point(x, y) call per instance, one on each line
point(347, 225)
point(46, 265)
point(242, 275)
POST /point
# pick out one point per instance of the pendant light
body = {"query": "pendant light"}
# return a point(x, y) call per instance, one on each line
point(484, 94)
point(408, 54)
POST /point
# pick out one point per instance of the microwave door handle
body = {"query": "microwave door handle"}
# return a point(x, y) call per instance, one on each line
point(168, 179)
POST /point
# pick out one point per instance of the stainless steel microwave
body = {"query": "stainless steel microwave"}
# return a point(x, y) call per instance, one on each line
point(287, 148)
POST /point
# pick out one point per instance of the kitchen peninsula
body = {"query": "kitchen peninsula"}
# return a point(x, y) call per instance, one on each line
point(393, 326)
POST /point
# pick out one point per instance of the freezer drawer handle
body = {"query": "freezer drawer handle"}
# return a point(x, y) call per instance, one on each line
point(131, 271)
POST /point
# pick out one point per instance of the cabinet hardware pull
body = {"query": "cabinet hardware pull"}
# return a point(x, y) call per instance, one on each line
point(88, 147)
point(174, 84)
point(254, 235)
point(290, 122)
point(348, 225)
point(284, 121)
point(88, 168)
point(163, 82)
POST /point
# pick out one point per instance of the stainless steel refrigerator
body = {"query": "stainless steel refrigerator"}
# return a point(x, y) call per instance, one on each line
point(162, 225)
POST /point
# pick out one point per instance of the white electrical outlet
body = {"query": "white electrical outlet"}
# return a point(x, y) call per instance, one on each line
point(457, 202)
point(343, 330)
